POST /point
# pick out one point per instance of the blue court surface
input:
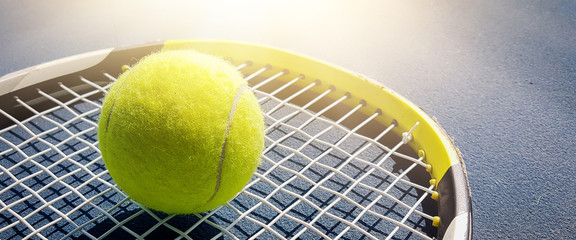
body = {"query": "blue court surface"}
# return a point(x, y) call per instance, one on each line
point(499, 76)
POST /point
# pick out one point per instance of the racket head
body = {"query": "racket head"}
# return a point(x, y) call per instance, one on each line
point(422, 135)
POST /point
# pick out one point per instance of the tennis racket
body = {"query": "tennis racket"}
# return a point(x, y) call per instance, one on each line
point(345, 157)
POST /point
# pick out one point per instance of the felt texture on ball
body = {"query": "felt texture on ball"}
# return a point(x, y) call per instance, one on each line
point(180, 132)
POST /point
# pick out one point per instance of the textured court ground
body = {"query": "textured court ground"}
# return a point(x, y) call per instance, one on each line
point(499, 76)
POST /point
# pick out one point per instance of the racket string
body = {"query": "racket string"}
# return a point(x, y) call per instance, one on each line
point(334, 147)
point(42, 169)
point(336, 124)
point(307, 158)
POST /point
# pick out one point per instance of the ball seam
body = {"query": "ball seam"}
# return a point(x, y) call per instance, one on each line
point(226, 132)
point(112, 107)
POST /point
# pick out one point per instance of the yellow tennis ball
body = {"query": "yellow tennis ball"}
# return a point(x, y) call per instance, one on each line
point(180, 132)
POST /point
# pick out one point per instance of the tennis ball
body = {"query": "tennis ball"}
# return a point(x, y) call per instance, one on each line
point(180, 132)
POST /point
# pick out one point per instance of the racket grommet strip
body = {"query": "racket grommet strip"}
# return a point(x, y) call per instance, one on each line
point(432, 182)
point(317, 81)
point(422, 154)
point(436, 221)
point(434, 195)
point(125, 68)
point(429, 168)
point(395, 123)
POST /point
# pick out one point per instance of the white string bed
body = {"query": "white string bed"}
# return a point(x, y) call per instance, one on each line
point(317, 180)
